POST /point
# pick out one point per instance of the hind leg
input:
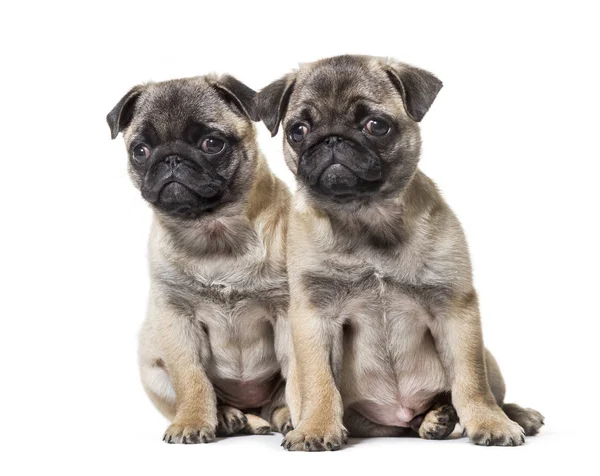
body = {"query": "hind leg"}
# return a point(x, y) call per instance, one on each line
point(438, 423)
point(153, 373)
point(256, 425)
point(282, 420)
point(158, 387)
point(277, 412)
point(361, 427)
point(495, 379)
point(231, 420)
point(530, 420)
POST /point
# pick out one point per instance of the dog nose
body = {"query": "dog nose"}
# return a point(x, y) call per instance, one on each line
point(173, 161)
point(332, 141)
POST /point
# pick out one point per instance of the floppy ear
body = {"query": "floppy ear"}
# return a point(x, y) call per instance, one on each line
point(417, 87)
point(121, 115)
point(236, 92)
point(272, 102)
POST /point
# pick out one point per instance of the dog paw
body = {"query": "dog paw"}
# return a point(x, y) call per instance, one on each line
point(438, 423)
point(255, 425)
point(282, 421)
point(286, 427)
point(231, 420)
point(189, 433)
point(305, 438)
point(494, 429)
point(261, 430)
point(530, 420)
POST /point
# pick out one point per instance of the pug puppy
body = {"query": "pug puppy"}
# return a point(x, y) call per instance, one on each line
point(218, 293)
point(384, 317)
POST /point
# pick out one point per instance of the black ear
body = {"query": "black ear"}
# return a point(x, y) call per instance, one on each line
point(417, 87)
point(239, 94)
point(121, 115)
point(272, 102)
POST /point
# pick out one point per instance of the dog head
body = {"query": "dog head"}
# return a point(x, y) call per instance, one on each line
point(351, 125)
point(191, 142)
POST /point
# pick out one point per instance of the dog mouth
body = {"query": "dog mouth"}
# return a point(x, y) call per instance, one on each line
point(179, 200)
point(186, 190)
point(174, 193)
point(341, 169)
point(342, 185)
point(338, 178)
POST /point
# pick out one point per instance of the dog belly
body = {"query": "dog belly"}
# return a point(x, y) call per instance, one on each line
point(391, 371)
point(390, 414)
point(242, 366)
point(246, 394)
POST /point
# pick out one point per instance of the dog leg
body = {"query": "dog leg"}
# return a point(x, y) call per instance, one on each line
point(438, 423)
point(292, 393)
point(457, 333)
point(256, 425)
point(277, 412)
point(195, 419)
point(361, 427)
point(320, 425)
point(530, 420)
point(231, 420)
point(282, 420)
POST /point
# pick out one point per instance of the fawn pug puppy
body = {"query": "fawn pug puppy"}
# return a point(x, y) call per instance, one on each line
point(219, 292)
point(384, 316)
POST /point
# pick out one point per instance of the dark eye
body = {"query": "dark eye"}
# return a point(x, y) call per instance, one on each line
point(212, 145)
point(298, 132)
point(140, 153)
point(377, 127)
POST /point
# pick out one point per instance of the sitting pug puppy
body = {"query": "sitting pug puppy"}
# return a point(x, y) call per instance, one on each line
point(219, 290)
point(384, 317)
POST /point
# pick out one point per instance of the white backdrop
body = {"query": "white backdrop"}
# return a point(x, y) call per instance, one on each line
point(512, 141)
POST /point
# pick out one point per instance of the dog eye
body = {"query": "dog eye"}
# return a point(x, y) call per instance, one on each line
point(377, 127)
point(140, 153)
point(298, 132)
point(212, 145)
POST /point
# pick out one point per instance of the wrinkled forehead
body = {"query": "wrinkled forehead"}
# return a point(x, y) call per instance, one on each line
point(170, 108)
point(339, 83)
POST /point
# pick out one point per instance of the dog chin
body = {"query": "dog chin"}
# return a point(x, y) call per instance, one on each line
point(338, 180)
point(351, 200)
point(177, 200)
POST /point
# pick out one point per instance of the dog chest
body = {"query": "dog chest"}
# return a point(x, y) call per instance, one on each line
point(223, 281)
point(389, 367)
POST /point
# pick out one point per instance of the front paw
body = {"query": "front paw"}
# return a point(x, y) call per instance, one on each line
point(189, 433)
point(494, 429)
point(315, 438)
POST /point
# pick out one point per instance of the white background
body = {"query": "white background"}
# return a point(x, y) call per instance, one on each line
point(512, 141)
